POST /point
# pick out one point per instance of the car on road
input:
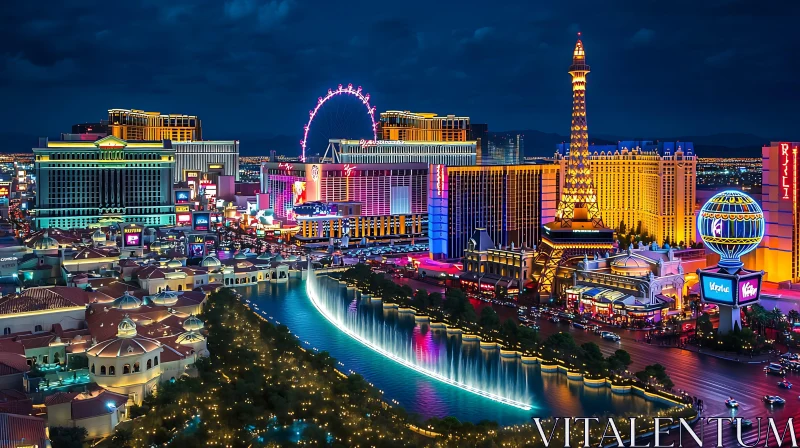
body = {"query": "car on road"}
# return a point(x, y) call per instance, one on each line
point(790, 356)
point(775, 369)
point(785, 384)
point(579, 325)
point(609, 336)
point(554, 319)
point(773, 400)
point(792, 365)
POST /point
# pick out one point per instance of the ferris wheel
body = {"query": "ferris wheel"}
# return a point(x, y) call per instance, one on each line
point(339, 119)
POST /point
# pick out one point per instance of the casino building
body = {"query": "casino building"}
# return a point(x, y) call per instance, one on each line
point(203, 156)
point(779, 252)
point(422, 127)
point(133, 124)
point(344, 223)
point(82, 183)
point(642, 181)
point(511, 202)
point(402, 151)
point(382, 189)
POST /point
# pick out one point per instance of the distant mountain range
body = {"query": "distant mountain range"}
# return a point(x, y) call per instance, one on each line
point(537, 143)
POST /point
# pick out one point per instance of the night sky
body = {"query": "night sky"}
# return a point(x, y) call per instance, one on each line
point(659, 68)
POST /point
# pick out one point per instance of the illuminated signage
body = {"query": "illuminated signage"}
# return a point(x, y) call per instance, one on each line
point(184, 218)
point(299, 192)
point(285, 166)
point(315, 172)
point(215, 167)
point(717, 289)
point(201, 221)
point(132, 230)
point(9, 259)
point(132, 236)
point(348, 170)
point(439, 179)
point(3, 191)
point(787, 171)
point(181, 197)
point(197, 250)
point(198, 239)
point(748, 290)
point(365, 143)
point(181, 208)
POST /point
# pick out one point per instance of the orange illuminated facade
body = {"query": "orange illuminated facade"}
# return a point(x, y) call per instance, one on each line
point(133, 124)
point(779, 252)
point(409, 126)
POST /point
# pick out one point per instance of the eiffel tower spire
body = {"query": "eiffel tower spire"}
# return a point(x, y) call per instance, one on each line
point(578, 199)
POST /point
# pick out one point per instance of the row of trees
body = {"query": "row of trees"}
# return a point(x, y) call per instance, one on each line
point(456, 307)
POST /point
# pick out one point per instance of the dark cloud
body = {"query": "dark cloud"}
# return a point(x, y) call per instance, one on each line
point(258, 65)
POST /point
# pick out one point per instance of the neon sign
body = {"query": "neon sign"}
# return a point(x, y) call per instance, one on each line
point(365, 143)
point(439, 180)
point(348, 170)
point(285, 166)
point(787, 178)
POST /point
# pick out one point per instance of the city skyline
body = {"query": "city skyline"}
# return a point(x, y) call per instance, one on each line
point(282, 52)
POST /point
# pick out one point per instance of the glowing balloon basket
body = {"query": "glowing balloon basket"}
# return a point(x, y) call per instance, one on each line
point(730, 224)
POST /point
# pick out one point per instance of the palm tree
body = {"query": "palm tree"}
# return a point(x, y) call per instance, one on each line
point(793, 316)
point(758, 318)
point(776, 315)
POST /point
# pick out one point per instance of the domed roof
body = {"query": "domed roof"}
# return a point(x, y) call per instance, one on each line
point(629, 261)
point(240, 256)
point(265, 256)
point(45, 243)
point(126, 328)
point(174, 264)
point(164, 298)
point(98, 236)
point(118, 347)
point(210, 262)
point(190, 337)
point(193, 323)
point(127, 302)
point(278, 257)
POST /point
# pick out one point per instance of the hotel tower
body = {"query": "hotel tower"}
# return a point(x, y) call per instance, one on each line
point(578, 229)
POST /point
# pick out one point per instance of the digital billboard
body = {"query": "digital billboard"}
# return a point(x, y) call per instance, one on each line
point(299, 192)
point(197, 246)
point(201, 221)
point(133, 235)
point(717, 289)
point(181, 197)
point(749, 289)
point(183, 218)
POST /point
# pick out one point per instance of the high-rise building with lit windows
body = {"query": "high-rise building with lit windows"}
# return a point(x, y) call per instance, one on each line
point(410, 126)
point(382, 188)
point(511, 202)
point(778, 254)
point(396, 151)
point(644, 182)
point(133, 124)
point(109, 180)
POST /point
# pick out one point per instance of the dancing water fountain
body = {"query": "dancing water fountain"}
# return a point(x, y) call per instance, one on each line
point(478, 372)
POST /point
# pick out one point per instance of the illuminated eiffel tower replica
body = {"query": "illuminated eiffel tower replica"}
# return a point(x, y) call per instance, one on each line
point(578, 229)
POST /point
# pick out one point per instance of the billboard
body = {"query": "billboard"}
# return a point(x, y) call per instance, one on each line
point(749, 290)
point(197, 246)
point(299, 192)
point(182, 197)
point(183, 219)
point(133, 236)
point(5, 189)
point(201, 221)
point(717, 289)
